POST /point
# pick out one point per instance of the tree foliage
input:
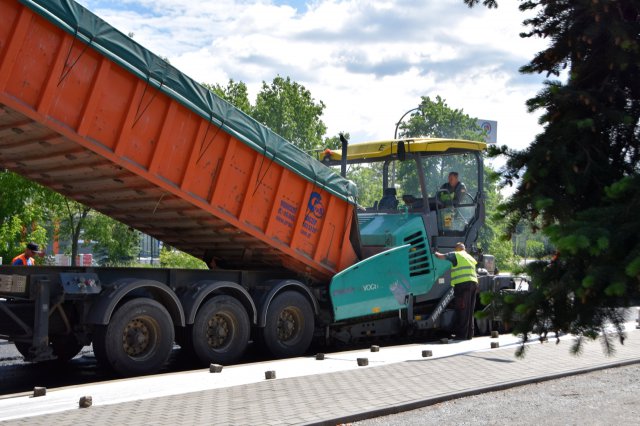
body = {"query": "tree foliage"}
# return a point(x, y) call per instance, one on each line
point(21, 214)
point(333, 142)
point(434, 118)
point(580, 177)
point(114, 243)
point(71, 216)
point(31, 212)
point(368, 180)
point(285, 106)
point(493, 238)
point(172, 258)
point(235, 93)
point(289, 110)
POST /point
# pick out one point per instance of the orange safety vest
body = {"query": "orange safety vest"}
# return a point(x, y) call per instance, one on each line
point(25, 261)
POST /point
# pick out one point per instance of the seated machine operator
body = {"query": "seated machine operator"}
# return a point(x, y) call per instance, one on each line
point(455, 188)
point(388, 200)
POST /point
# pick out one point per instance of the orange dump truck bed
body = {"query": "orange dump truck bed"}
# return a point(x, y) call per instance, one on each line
point(93, 115)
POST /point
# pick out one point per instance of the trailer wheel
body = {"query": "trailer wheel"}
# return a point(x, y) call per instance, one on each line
point(23, 348)
point(220, 332)
point(64, 347)
point(289, 327)
point(99, 351)
point(138, 339)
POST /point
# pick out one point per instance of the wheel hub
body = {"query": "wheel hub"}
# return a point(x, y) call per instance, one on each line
point(136, 337)
point(287, 325)
point(218, 331)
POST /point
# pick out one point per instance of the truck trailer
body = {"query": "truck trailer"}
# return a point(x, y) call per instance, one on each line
point(293, 255)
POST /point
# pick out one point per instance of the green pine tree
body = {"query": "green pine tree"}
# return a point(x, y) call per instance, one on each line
point(580, 177)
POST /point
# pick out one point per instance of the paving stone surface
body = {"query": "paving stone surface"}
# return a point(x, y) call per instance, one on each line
point(343, 396)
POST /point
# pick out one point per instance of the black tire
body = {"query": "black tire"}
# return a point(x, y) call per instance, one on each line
point(23, 348)
point(99, 351)
point(221, 331)
point(138, 339)
point(289, 327)
point(64, 347)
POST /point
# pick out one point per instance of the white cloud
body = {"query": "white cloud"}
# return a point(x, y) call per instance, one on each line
point(368, 61)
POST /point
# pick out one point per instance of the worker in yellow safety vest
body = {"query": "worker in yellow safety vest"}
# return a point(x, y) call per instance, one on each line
point(26, 258)
point(464, 281)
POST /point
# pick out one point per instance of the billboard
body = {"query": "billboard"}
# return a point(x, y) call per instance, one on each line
point(491, 129)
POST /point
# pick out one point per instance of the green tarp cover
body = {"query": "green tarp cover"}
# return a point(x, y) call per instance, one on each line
point(80, 22)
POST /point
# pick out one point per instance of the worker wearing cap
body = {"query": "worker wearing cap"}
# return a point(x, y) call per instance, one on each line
point(464, 281)
point(26, 258)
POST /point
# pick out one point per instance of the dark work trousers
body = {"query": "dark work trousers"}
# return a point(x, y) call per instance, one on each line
point(465, 302)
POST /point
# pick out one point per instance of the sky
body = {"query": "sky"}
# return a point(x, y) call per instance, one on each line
point(368, 61)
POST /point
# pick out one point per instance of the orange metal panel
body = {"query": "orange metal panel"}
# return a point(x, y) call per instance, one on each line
point(246, 203)
point(259, 202)
point(275, 208)
point(203, 171)
point(145, 129)
point(125, 123)
point(57, 68)
point(93, 101)
point(75, 121)
point(327, 234)
point(13, 33)
point(233, 181)
point(105, 125)
point(73, 83)
point(33, 62)
point(288, 207)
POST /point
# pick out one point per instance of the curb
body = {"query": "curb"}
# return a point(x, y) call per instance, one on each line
point(396, 409)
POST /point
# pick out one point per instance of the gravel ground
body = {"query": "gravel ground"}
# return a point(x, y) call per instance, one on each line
point(606, 397)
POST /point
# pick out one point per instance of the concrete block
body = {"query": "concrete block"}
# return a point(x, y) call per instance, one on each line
point(375, 348)
point(495, 334)
point(39, 391)
point(271, 374)
point(426, 354)
point(363, 362)
point(495, 345)
point(319, 356)
point(85, 401)
point(215, 368)
point(444, 341)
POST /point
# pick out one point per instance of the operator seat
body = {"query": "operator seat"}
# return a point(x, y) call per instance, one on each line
point(388, 200)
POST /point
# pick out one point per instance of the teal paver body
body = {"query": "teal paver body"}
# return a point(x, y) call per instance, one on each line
point(382, 282)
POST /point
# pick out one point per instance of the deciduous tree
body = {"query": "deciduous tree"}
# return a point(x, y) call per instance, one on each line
point(22, 216)
point(114, 243)
point(434, 118)
point(288, 108)
point(172, 258)
point(235, 92)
